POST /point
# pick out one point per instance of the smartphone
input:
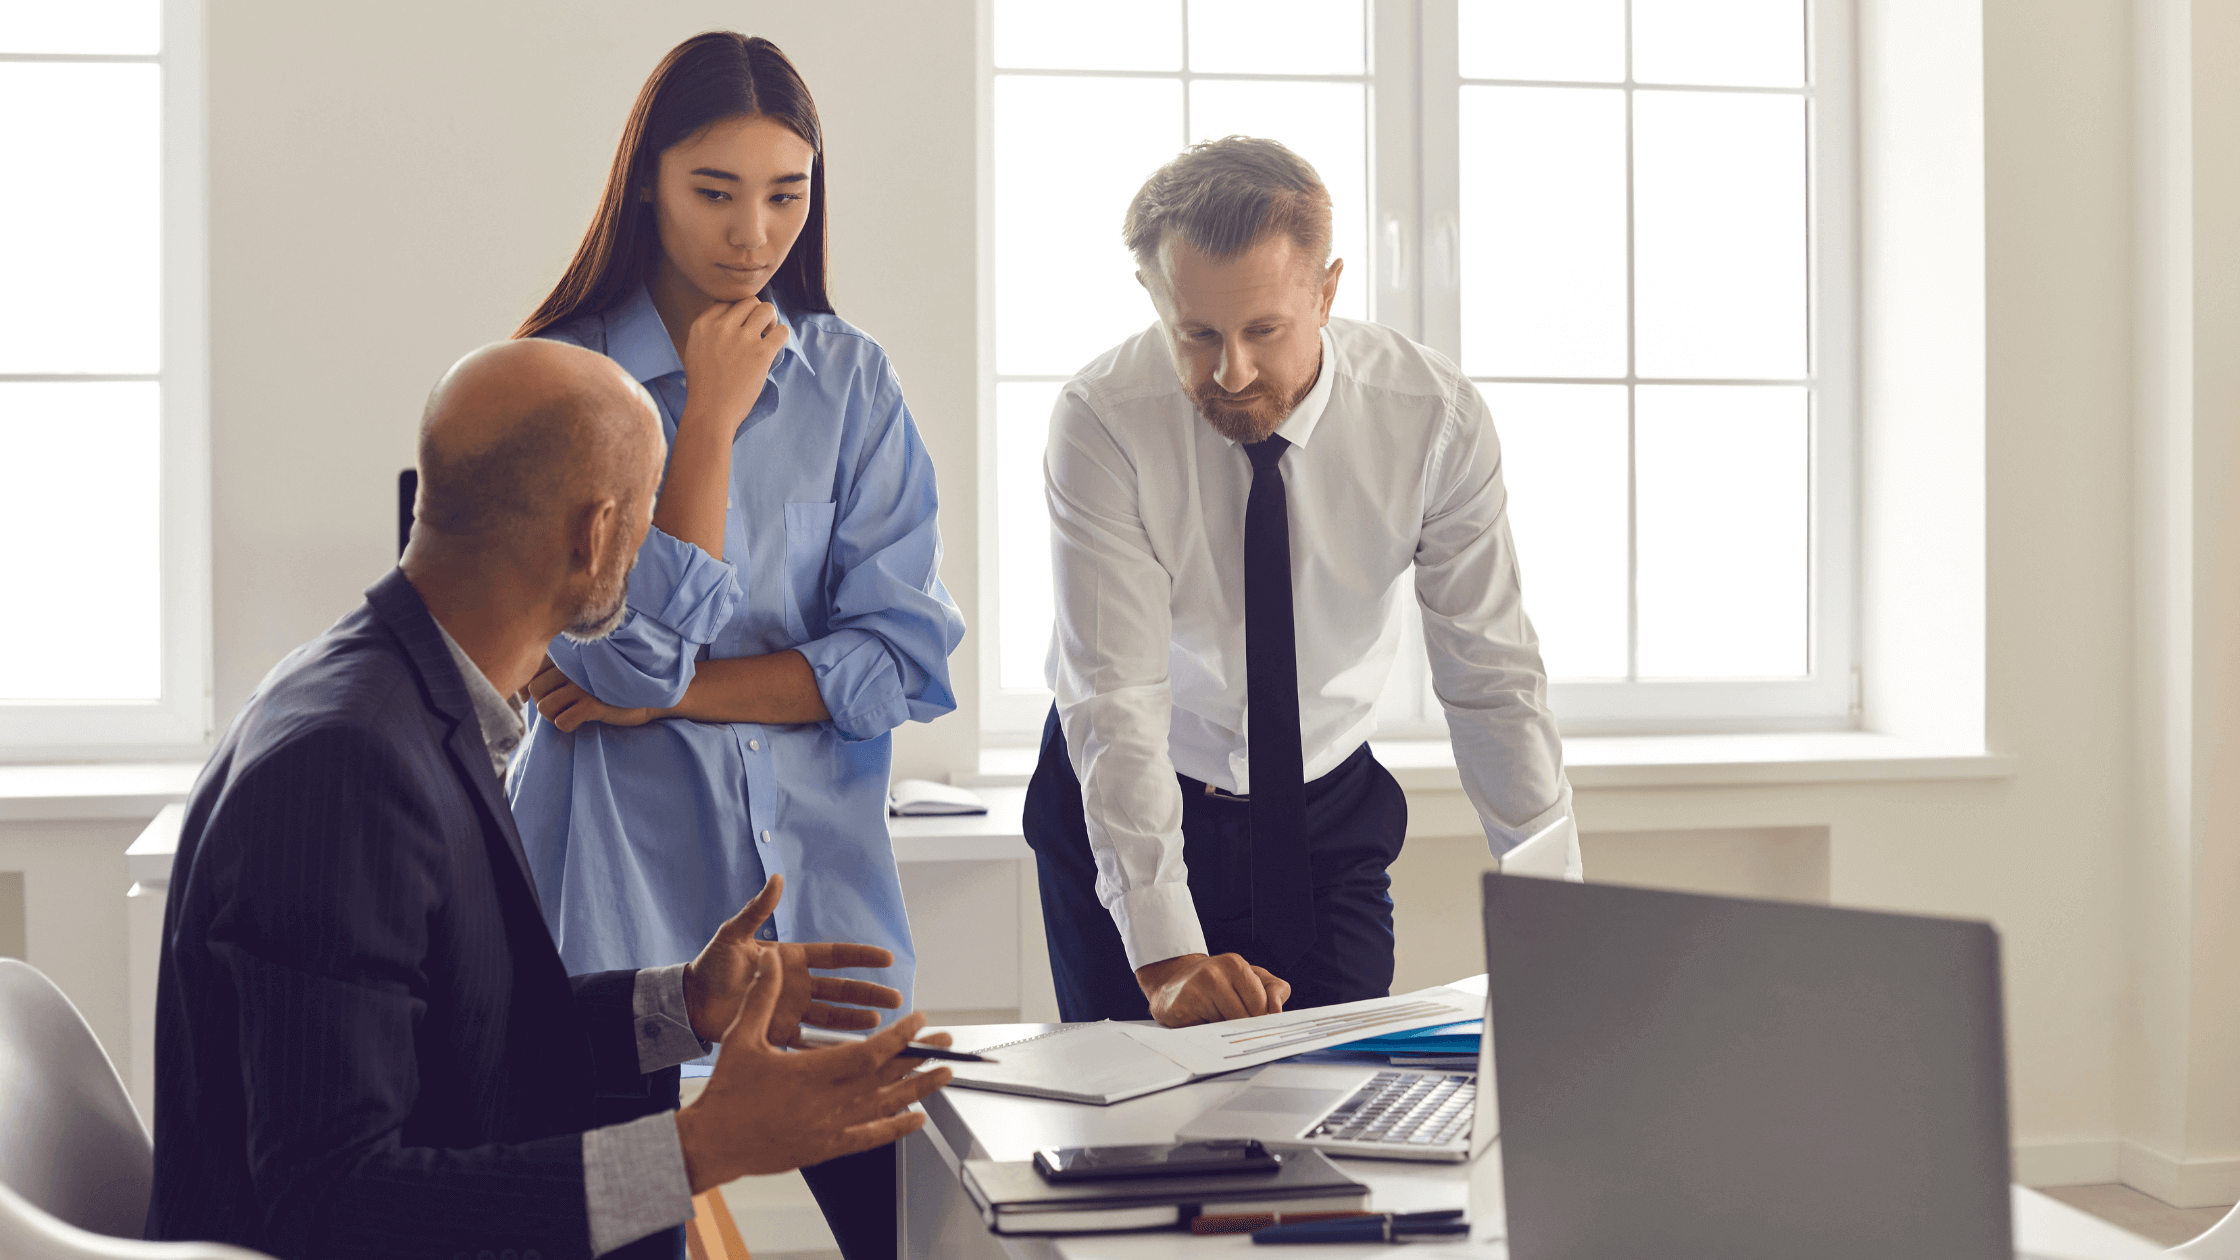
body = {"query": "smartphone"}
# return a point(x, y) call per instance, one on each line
point(1170, 1159)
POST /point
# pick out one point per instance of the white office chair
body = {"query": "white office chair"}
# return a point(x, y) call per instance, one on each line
point(26, 1233)
point(2220, 1241)
point(71, 1146)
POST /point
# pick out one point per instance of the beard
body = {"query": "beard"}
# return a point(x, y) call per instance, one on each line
point(603, 610)
point(1252, 415)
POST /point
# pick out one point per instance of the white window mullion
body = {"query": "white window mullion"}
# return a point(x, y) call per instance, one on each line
point(1439, 157)
point(1633, 393)
point(1395, 105)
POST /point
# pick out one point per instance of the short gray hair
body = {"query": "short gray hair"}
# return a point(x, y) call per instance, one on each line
point(1224, 196)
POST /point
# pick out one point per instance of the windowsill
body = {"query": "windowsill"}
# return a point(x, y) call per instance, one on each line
point(125, 790)
point(1653, 761)
point(137, 790)
point(992, 836)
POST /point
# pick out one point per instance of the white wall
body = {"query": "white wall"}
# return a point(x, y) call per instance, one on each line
point(2182, 1119)
point(393, 185)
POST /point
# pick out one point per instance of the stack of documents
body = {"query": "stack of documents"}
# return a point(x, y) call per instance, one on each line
point(1014, 1199)
point(1440, 1046)
point(1111, 1062)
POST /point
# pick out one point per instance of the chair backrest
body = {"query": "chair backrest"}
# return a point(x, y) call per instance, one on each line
point(2220, 1241)
point(26, 1233)
point(70, 1143)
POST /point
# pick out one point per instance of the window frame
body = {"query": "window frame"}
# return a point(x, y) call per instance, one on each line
point(1413, 231)
point(179, 720)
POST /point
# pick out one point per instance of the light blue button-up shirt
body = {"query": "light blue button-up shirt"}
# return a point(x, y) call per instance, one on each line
point(645, 839)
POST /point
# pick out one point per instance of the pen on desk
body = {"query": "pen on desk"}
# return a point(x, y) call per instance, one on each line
point(1378, 1227)
point(814, 1037)
point(1246, 1222)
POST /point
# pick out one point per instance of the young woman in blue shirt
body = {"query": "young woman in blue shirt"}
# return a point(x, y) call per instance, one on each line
point(786, 611)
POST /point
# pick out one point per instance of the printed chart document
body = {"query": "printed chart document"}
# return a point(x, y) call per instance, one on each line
point(1110, 1062)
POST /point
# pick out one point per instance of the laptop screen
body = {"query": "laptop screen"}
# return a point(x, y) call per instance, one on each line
point(1685, 1075)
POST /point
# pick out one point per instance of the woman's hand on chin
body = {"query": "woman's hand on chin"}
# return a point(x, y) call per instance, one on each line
point(727, 357)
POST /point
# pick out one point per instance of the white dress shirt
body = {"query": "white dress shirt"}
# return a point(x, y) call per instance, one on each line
point(1394, 466)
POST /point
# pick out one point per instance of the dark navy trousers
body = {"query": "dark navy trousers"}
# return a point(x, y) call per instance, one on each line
point(1356, 819)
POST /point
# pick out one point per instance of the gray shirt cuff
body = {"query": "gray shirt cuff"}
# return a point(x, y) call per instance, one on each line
point(634, 1181)
point(665, 1036)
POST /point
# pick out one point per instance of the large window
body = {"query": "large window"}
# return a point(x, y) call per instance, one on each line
point(102, 380)
point(1628, 222)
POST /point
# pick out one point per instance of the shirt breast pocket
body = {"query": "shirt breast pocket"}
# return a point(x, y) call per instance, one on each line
point(808, 546)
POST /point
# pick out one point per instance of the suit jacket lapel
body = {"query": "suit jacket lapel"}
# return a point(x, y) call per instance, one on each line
point(401, 609)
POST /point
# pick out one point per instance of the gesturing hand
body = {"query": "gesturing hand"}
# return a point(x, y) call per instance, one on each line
point(728, 351)
point(718, 980)
point(767, 1110)
point(1195, 989)
point(568, 706)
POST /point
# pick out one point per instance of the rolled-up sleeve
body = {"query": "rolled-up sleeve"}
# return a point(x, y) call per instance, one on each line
point(884, 658)
point(1115, 622)
point(1485, 656)
point(680, 597)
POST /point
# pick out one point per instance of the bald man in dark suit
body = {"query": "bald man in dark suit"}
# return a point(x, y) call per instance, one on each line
point(366, 1044)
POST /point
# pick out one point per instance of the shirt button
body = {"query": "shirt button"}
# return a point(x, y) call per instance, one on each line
point(754, 745)
point(766, 837)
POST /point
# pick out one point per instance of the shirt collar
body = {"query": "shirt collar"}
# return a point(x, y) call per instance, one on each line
point(498, 715)
point(639, 341)
point(1300, 424)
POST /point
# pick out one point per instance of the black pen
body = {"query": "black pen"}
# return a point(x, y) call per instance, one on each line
point(1380, 1227)
point(814, 1037)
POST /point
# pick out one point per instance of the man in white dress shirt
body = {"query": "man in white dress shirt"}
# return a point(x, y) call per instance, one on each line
point(1236, 495)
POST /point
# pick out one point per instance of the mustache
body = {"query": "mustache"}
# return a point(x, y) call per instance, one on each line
point(1214, 395)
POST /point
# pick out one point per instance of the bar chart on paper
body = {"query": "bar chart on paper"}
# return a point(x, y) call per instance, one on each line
point(1312, 1030)
point(1105, 1063)
point(1209, 1048)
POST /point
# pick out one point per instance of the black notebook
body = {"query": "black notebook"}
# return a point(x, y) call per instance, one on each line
point(1014, 1199)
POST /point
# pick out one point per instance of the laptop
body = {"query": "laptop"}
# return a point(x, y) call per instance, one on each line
point(1687, 1075)
point(1399, 1113)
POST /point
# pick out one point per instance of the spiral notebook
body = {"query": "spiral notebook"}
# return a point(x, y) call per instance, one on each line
point(1108, 1062)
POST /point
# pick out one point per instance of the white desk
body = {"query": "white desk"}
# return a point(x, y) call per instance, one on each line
point(939, 1220)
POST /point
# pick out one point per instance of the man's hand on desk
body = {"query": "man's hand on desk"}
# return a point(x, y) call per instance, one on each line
point(717, 982)
point(768, 1110)
point(1197, 989)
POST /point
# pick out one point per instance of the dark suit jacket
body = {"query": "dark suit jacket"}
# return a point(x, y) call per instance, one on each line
point(365, 1042)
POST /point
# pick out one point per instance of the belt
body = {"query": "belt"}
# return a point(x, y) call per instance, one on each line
point(1211, 792)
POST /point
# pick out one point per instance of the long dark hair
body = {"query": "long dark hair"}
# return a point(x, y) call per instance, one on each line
point(708, 78)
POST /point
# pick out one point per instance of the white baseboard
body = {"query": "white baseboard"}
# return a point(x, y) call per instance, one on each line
point(2179, 1182)
point(2072, 1163)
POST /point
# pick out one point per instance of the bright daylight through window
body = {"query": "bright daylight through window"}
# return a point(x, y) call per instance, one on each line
point(1624, 220)
point(90, 386)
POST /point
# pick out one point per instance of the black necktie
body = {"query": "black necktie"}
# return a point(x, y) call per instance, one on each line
point(1282, 886)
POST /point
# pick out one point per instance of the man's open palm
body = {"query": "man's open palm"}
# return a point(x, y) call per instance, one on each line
point(716, 982)
point(767, 1110)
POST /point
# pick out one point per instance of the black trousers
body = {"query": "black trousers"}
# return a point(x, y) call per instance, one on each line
point(857, 1195)
point(1356, 819)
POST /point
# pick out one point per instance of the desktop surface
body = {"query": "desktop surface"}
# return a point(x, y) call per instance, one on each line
point(939, 1219)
